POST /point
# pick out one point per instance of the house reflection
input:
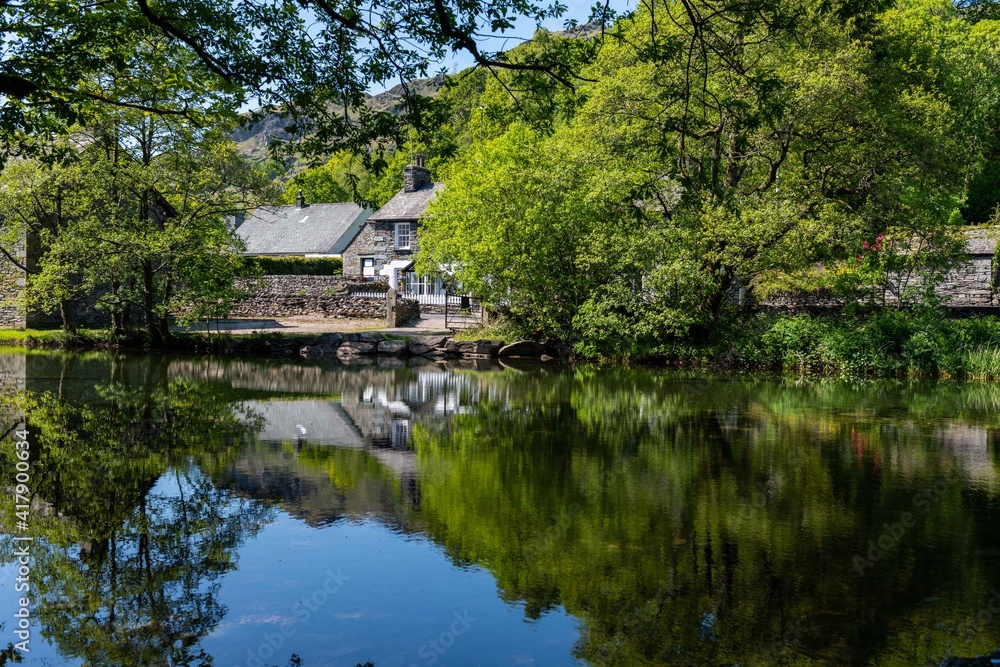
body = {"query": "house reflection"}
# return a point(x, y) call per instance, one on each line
point(385, 412)
point(327, 459)
point(969, 447)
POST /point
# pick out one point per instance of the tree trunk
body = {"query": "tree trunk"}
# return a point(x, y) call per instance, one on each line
point(67, 320)
point(118, 322)
point(164, 322)
point(148, 304)
point(721, 294)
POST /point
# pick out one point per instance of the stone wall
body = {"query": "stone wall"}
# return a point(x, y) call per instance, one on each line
point(12, 313)
point(432, 308)
point(322, 296)
point(82, 313)
point(378, 239)
point(11, 285)
point(409, 309)
point(968, 287)
point(399, 311)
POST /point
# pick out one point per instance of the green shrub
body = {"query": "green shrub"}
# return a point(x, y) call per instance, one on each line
point(868, 344)
point(497, 329)
point(796, 342)
point(978, 331)
point(294, 266)
point(983, 362)
point(880, 343)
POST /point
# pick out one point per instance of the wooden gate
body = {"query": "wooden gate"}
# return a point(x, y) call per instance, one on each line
point(461, 311)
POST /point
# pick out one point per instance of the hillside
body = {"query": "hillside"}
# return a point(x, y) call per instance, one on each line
point(254, 139)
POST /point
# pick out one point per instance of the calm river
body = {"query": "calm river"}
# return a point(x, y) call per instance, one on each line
point(196, 511)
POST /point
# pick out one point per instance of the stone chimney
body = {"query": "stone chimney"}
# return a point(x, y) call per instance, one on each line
point(300, 200)
point(416, 176)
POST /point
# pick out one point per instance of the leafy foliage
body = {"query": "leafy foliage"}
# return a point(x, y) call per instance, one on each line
point(874, 343)
point(136, 207)
point(722, 150)
point(342, 179)
point(312, 61)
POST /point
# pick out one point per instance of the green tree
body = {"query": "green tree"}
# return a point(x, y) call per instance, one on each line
point(342, 179)
point(134, 202)
point(313, 61)
point(143, 225)
point(747, 146)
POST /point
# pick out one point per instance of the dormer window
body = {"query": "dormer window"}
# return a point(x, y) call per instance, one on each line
point(402, 236)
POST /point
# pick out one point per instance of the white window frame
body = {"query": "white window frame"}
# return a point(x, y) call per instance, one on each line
point(404, 235)
point(400, 436)
point(364, 266)
point(417, 284)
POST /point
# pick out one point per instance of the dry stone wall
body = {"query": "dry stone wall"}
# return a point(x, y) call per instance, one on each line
point(400, 310)
point(968, 287)
point(322, 296)
point(81, 311)
point(971, 285)
point(407, 309)
point(11, 285)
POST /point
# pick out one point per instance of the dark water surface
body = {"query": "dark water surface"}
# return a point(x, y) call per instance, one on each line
point(192, 511)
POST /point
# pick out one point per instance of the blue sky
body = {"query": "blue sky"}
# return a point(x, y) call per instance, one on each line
point(578, 10)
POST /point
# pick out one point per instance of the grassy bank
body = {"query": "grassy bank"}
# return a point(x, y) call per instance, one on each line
point(54, 338)
point(889, 343)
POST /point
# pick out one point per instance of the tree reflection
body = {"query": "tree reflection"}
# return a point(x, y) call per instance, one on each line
point(145, 594)
point(687, 521)
point(684, 520)
point(131, 539)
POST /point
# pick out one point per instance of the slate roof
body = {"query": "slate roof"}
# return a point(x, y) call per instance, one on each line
point(313, 421)
point(407, 205)
point(980, 240)
point(314, 229)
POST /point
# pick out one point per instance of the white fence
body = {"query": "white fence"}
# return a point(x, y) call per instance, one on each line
point(435, 299)
point(424, 299)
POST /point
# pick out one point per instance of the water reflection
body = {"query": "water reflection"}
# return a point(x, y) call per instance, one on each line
point(131, 537)
point(682, 519)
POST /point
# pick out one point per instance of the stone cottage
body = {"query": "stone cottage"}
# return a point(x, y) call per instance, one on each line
point(385, 248)
point(23, 258)
point(307, 230)
point(12, 283)
point(972, 286)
